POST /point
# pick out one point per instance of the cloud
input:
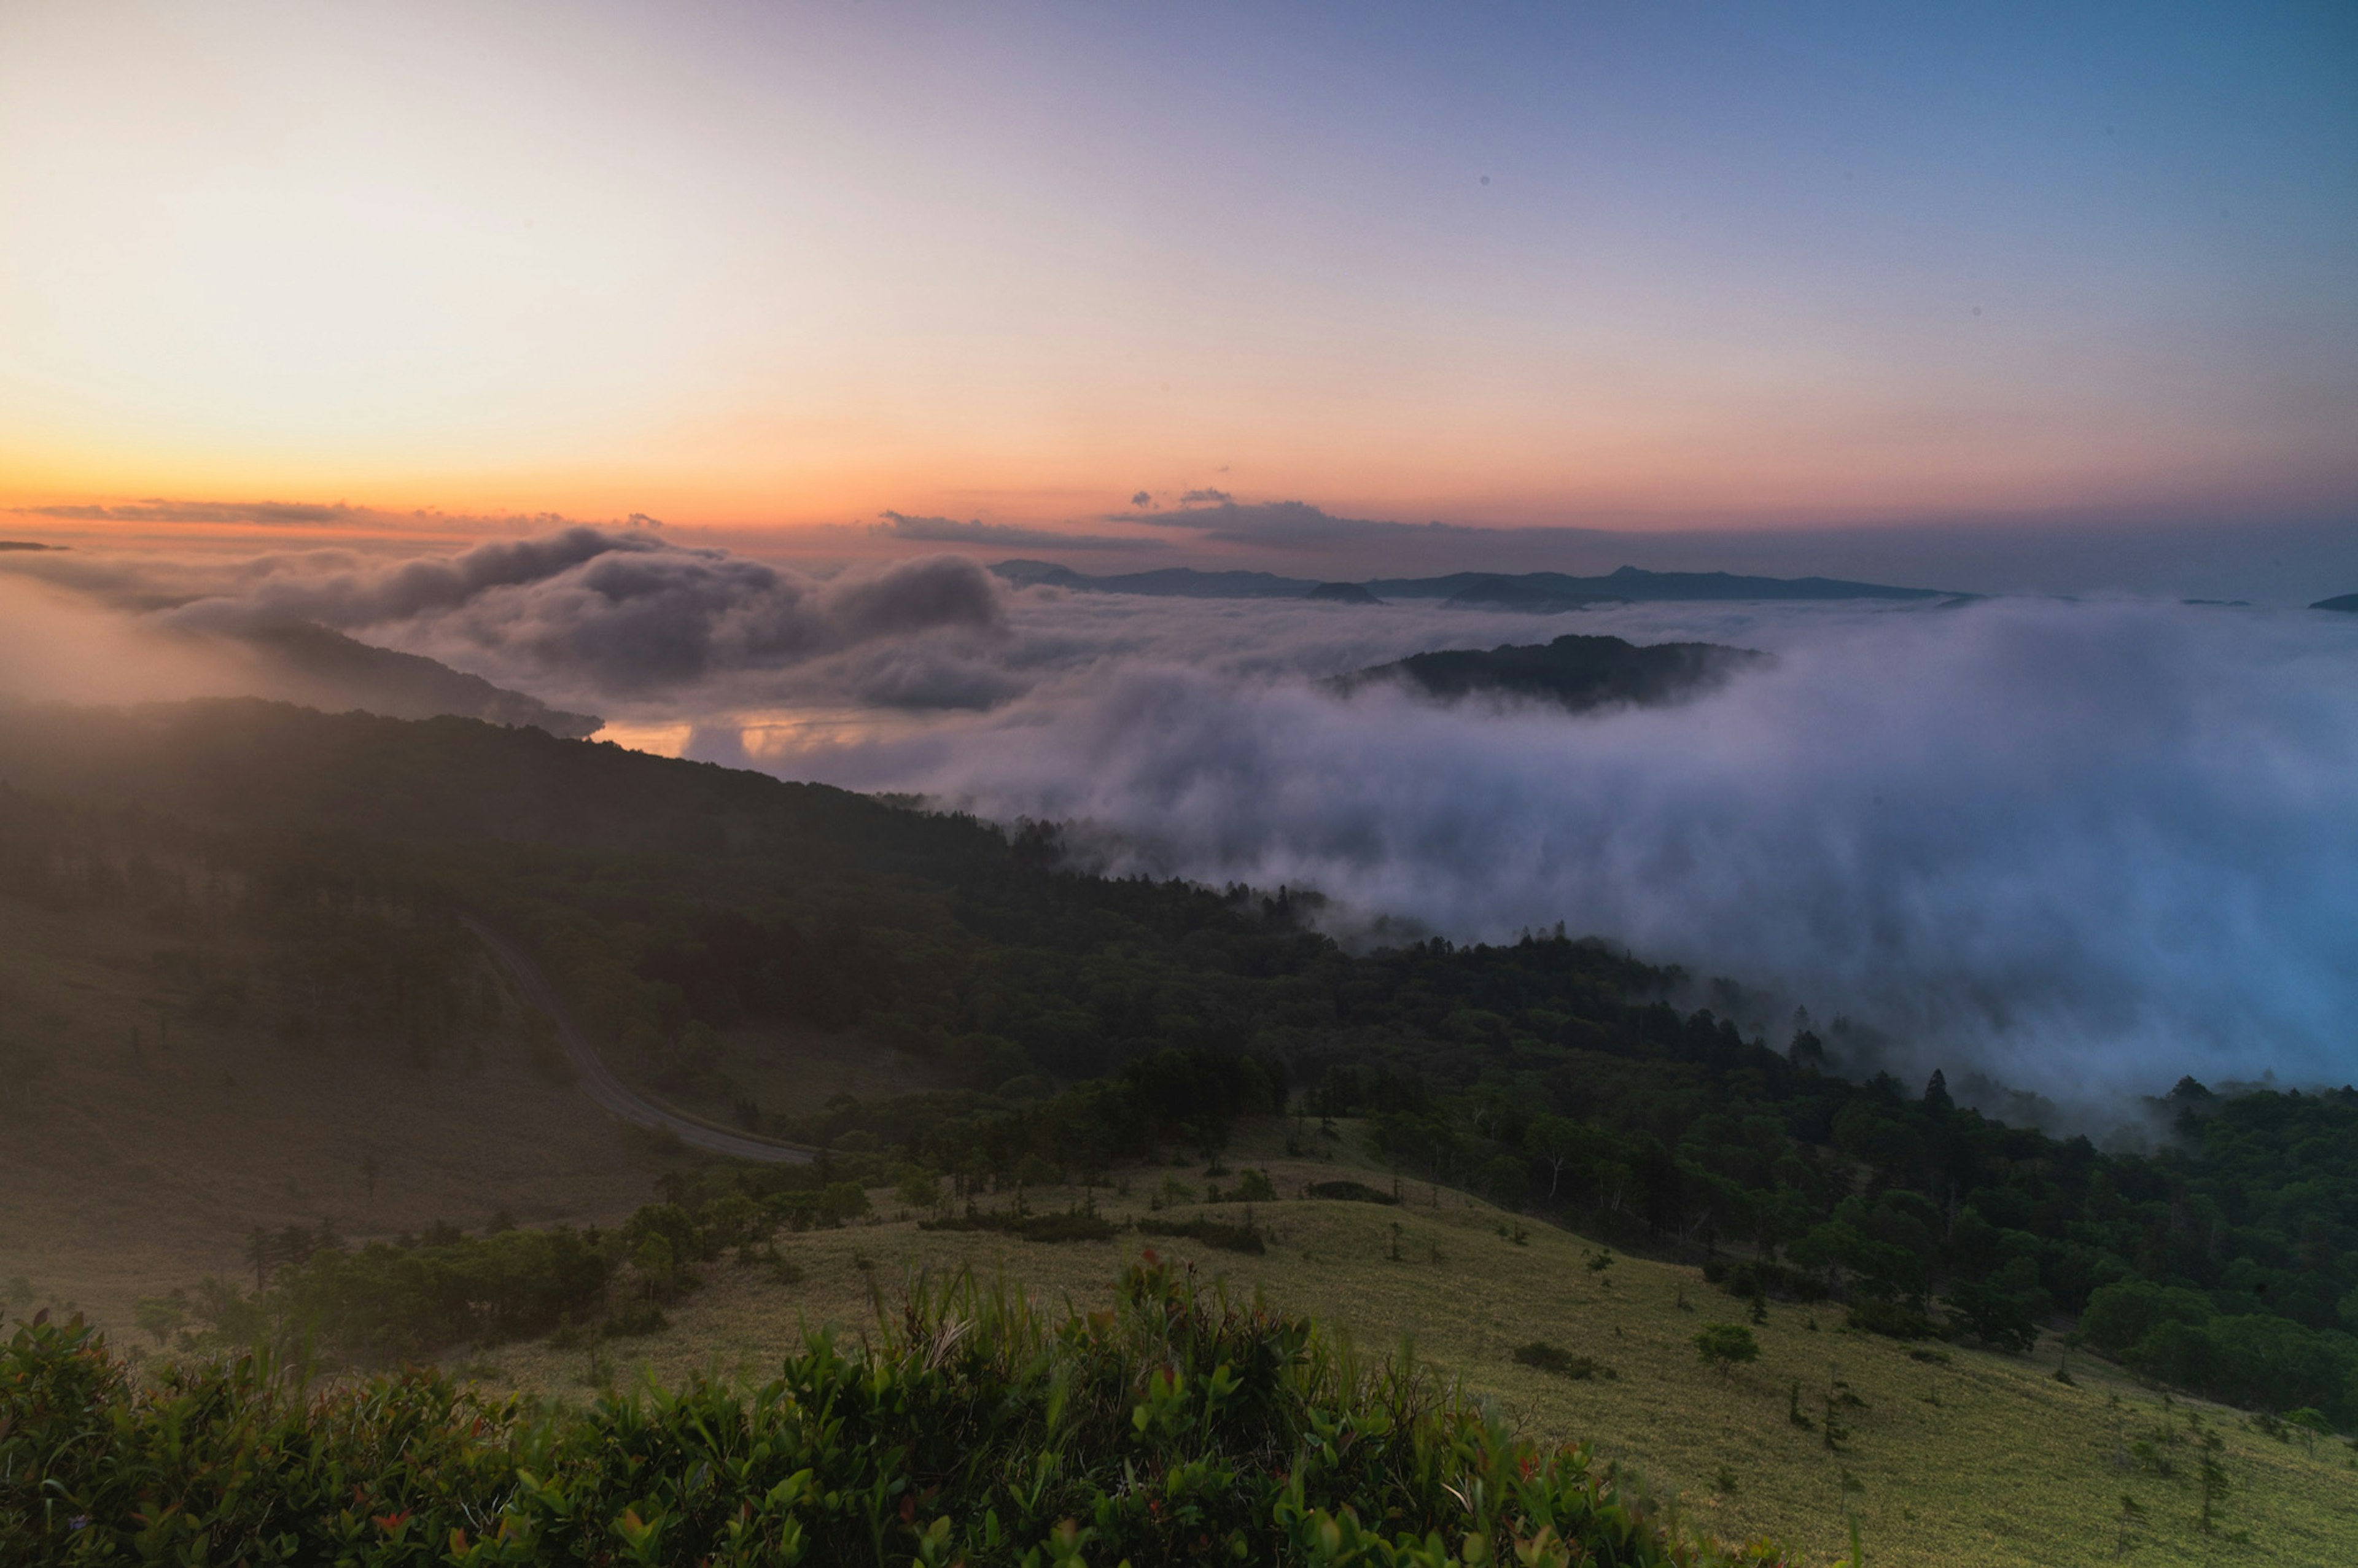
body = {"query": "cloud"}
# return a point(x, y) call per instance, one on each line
point(59, 646)
point(1291, 524)
point(2077, 845)
point(1003, 536)
point(591, 617)
point(267, 513)
point(2085, 846)
point(339, 514)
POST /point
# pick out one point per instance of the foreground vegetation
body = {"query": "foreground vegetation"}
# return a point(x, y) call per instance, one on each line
point(1177, 1427)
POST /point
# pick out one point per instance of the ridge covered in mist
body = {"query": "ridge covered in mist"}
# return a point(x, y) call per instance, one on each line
point(1575, 671)
point(1554, 590)
point(319, 668)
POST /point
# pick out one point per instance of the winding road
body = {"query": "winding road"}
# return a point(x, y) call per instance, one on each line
point(597, 1081)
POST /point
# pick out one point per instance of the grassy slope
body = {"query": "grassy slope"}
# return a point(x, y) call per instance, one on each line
point(122, 1176)
point(2009, 1467)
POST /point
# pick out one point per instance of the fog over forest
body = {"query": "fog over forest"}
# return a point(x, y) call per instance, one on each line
point(2086, 844)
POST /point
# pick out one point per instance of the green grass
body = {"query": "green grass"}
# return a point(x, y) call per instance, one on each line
point(1980, 1459)
point(126, 1171)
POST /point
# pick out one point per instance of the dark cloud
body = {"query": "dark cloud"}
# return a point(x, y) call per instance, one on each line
point(1004, 535)
point(1142, 500)
point(1207, 497)
point(600, 614)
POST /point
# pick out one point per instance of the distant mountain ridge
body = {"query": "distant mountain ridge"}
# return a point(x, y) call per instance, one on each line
point(1579, 674)
point(306, 663)
point(1531, 590)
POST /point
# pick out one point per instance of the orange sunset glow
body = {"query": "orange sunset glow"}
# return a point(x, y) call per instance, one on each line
point(768, 273)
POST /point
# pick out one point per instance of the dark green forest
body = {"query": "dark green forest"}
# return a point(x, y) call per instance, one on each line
point(1088, 1017)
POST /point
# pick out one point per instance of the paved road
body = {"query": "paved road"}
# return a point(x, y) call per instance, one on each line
point(597, 1081)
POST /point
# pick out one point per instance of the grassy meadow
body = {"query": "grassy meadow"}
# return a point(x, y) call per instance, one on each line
point(1966, 1458)
point(144, 1140)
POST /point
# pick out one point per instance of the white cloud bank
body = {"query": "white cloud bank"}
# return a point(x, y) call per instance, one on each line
point(2084, 846)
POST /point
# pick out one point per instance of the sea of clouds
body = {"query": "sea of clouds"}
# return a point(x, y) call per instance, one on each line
point(2084, 846)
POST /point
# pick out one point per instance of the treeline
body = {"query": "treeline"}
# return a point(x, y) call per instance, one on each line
point(300, 939)
point(416, 1296)
point(1176, 1427)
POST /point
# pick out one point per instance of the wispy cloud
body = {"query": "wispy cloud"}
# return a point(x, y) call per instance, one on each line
point(1004, 535)
point(302, 515)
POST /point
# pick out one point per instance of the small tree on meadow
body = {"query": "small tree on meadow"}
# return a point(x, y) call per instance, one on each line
point(1723, 1345)
point(919, 1189)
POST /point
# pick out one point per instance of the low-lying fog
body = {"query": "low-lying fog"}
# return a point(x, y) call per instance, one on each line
point(2084, 846)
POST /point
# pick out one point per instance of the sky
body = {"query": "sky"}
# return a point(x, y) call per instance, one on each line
point(1111, 283)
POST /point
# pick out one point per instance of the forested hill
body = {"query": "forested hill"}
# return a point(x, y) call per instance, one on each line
point(1575, 671)
point(1088, 1017)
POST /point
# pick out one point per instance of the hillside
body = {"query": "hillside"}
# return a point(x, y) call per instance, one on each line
point(306, 663)
point(267, 897)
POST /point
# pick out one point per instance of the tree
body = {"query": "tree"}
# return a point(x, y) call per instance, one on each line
point(657, 1265)
point(2002, 1311)
point(919, 1189)
point(162, 1315)
point(1725, 1345)
point(1558, 1141)
point(2211, 1479)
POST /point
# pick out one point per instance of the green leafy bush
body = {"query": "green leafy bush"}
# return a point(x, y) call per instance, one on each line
point(1075, 1225)
point(1725, 1345)
point(1246, 1238)
point(1349, 1191)
point(1176, 1426)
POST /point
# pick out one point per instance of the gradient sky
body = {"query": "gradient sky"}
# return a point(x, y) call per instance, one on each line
point(751, 267)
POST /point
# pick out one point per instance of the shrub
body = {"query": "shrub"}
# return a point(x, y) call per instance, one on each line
point(1175, 1426)
point(1245, 1237)
point(1555, 1358)
point(1072, 1226)
point(386, 1302)
point(1725, 1345)
point(919, 1189)
point(1893, 1320)
point(1252, 1186)
point(1756, 1278)
point(632, 1319)
point(1349, 1191)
